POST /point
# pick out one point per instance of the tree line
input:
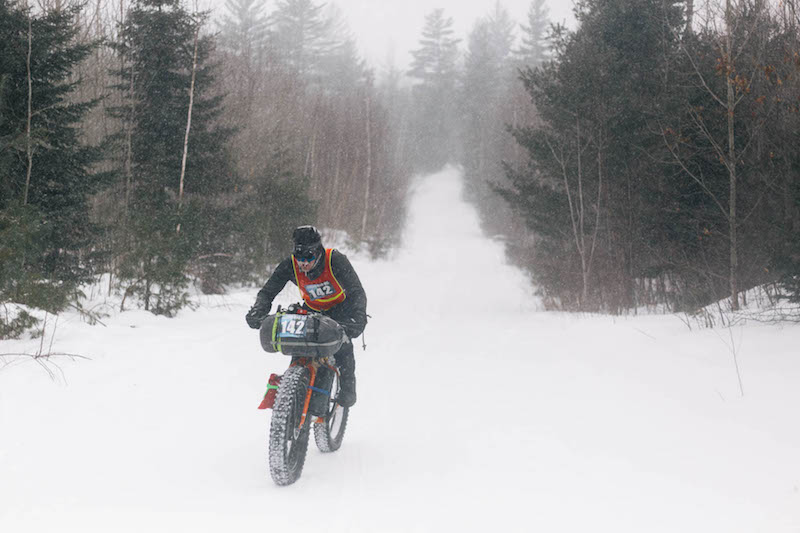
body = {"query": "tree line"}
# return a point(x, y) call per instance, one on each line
point(646, 158)
point(147, 142)
point(663, 165)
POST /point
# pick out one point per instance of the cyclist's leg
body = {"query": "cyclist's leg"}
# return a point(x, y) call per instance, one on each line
point(346, 363)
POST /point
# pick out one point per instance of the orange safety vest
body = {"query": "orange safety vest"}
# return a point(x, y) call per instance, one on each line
point(322, 293)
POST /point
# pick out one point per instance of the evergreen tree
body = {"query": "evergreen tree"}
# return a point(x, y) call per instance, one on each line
point(243, 37)
point(341, 68)
point(722, 120)
point(435, 60)
point(775, 97)
point(167, 65)
point(310, 112)
point(45, 181)
point(435, 68)
point(244, 29)
point(302, 37)
point(588, 157)
point(534, 48)
point(487, 82)
point(274, 202)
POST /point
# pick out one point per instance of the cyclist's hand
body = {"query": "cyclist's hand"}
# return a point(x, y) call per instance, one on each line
point(352, 328)
point(256, 316)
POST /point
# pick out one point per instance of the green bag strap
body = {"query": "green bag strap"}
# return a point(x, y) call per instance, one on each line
point(275, 321)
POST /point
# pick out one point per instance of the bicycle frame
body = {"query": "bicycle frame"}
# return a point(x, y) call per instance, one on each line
point(312, 364)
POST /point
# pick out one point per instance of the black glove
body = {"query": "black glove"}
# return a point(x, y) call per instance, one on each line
point(257, 314)
point(353, 328)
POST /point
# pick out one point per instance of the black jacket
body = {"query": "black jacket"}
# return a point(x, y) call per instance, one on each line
point(351, 313)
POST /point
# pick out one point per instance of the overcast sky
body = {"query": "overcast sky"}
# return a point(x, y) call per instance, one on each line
point(392, 28)
point(383, 25)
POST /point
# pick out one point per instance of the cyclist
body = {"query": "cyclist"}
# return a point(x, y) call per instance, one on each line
point(328, 284)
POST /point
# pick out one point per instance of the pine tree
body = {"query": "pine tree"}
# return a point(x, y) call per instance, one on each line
point(341, 68)
point(166, 66)
point(487, 82)
point(534, 48)
point(275, 201)
point(302, 37)
point(45, 178)
point(434, 61)
point(589, 153)
point(244, 35)
point(435, 68)
point(244, 30)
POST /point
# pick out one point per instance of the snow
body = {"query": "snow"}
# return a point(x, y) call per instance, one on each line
point(477, 411)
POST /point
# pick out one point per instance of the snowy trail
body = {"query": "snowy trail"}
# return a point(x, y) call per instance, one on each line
point(476, 412)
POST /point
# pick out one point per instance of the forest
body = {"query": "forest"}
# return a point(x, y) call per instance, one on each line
point(644, 159)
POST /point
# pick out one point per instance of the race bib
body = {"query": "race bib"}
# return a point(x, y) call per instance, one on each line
point(320, 290)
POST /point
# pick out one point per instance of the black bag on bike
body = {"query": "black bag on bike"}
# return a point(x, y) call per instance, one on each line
point(301, 335)
point(321, 391)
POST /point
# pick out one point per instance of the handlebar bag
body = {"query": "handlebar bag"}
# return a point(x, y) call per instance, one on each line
point(311, 335)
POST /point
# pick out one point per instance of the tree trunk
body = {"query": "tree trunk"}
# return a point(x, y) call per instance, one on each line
point(308, 170)
point(188, 123)
point(734, 258)
point(29, 140)
point(368, 173)
point(689, 15)
point(129, 140)
point(581, 237)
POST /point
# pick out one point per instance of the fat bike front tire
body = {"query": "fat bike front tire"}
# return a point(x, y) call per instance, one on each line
point(329, 432)
point(288, 443)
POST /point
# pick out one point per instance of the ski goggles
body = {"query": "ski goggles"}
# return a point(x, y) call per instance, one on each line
point(305, 257)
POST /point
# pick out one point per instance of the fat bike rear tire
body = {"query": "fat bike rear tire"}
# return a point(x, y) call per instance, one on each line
point(288, 443)
point(329, 432)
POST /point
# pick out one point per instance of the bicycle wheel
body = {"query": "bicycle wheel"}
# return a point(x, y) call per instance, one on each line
point(288, 444)
point(328, 433)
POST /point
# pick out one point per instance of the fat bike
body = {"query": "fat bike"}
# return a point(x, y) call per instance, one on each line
point(305, 396)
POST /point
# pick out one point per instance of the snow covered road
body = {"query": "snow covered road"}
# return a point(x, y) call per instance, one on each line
point(476, 412)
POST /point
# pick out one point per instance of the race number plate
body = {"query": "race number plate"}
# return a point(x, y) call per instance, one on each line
point(293, 326)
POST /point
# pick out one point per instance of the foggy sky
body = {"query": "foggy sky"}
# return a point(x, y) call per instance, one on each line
point(387, 30)
point(391, 28)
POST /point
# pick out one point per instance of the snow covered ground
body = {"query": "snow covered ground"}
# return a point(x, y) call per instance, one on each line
point(476, 412)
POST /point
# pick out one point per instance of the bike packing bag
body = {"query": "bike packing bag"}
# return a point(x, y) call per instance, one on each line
point(321, 391)
point(310, 335)
point(272, 390)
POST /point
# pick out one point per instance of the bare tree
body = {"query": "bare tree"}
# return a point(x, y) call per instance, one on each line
point(577, 199)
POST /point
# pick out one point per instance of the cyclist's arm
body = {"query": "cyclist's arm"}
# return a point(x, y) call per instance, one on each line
point(282, 274)
point(356, 301)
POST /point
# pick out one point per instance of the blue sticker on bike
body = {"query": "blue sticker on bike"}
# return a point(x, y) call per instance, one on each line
point(293, 326)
